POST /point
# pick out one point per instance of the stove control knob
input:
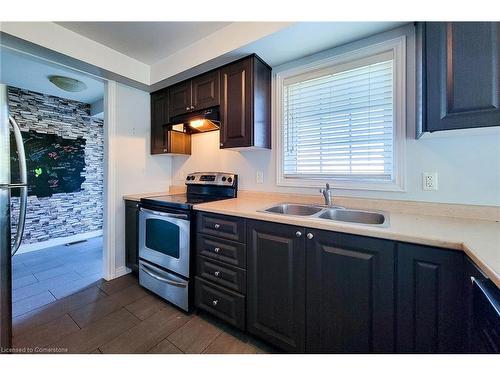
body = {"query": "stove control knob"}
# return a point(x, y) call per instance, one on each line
point(216, 249)
point(223, 178)
point(230, 179)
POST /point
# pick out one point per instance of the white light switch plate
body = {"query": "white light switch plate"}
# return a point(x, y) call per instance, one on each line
point(429, 181)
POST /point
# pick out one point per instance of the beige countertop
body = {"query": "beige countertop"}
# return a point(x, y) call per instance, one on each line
point(479, 239)
point(137, 197)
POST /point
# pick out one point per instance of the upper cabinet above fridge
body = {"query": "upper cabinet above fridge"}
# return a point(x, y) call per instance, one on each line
point(459, 71)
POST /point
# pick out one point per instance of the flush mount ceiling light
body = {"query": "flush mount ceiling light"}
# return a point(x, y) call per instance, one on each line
point(68, 84)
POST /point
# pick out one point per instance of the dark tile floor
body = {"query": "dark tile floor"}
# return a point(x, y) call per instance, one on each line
point(86, 314)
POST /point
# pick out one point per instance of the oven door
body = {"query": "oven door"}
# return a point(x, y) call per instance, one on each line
point(164, 239)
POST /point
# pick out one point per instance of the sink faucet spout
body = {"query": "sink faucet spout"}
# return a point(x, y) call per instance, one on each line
point(327, 194)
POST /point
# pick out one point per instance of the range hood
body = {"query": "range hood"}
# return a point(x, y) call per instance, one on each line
point(202, 121)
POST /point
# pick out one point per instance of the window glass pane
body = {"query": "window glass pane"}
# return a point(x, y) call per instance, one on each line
point(340, 124)
point(163, 236)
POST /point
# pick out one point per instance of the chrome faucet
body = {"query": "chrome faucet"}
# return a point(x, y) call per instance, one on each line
point(327, 194)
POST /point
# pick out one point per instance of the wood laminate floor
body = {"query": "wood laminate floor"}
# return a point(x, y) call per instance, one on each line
point(117, 316)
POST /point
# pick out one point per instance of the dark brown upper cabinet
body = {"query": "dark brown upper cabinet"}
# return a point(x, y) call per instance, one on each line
point(180, 98)
point(192, 95)
point(245, 107)
point(165, 141)
point(243, 91)
point(460, 75)
point(159, 117)
point(205, 90)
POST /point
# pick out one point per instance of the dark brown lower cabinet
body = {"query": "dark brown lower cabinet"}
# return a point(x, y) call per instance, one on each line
point(315, 291)
point(350, 293)
point(470, 271)
point(429, 302)
point(225, 304)
point(131, 239)
point(276, 284)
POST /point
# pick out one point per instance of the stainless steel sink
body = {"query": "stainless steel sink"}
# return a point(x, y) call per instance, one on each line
point(354, 216)
point(294, 209)
point(334, 213)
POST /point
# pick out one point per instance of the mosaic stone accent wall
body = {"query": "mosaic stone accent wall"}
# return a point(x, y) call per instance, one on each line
point(63, 214)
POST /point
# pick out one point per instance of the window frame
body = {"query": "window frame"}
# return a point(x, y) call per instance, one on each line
point(397, 46)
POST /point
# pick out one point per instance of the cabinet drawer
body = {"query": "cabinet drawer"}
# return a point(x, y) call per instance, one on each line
point(221, 274)
point(230, 227)
point(226, 305)
point(229, 252)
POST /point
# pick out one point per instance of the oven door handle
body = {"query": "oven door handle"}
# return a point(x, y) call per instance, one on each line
point(154, 275)
point(165, 214)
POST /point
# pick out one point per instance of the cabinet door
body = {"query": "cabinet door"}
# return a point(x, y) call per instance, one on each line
point(429, 300)
point(131, 238)
point(180, 98)
point(236, 104)
point(463, 75)
point(159, 116)
point(178, 143)
point(350, 293)
point(470, 271)
point(206, 90)
point(276, 284)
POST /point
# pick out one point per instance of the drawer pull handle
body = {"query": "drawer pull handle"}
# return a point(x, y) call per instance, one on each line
point(298, 233)
point(216, 226)
point(310, 236)
point(216, 273)
point(216, 249)
point(215, 302)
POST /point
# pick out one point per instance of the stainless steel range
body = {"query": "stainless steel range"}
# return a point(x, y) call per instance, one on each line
point(165, 231)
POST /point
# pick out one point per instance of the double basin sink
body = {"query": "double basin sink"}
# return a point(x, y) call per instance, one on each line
point(333, 213)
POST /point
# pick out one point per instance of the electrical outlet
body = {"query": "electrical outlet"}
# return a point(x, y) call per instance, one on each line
point(430, 181)
point(259, 177)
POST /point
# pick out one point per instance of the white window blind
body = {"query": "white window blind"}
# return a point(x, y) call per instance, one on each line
point(338, 123)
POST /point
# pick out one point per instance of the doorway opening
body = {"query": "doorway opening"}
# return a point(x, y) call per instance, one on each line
point(62, 124)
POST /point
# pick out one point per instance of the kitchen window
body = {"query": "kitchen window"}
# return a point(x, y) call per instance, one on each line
point(342, 120)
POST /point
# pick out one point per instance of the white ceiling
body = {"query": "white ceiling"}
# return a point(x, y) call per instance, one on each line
point(148, 42)
point(30, 73)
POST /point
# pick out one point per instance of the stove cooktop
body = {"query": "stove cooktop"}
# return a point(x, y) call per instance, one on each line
point(180, 201)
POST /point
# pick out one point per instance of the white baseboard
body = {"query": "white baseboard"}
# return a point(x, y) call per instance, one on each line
point(120, 271)
point(27, 248)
